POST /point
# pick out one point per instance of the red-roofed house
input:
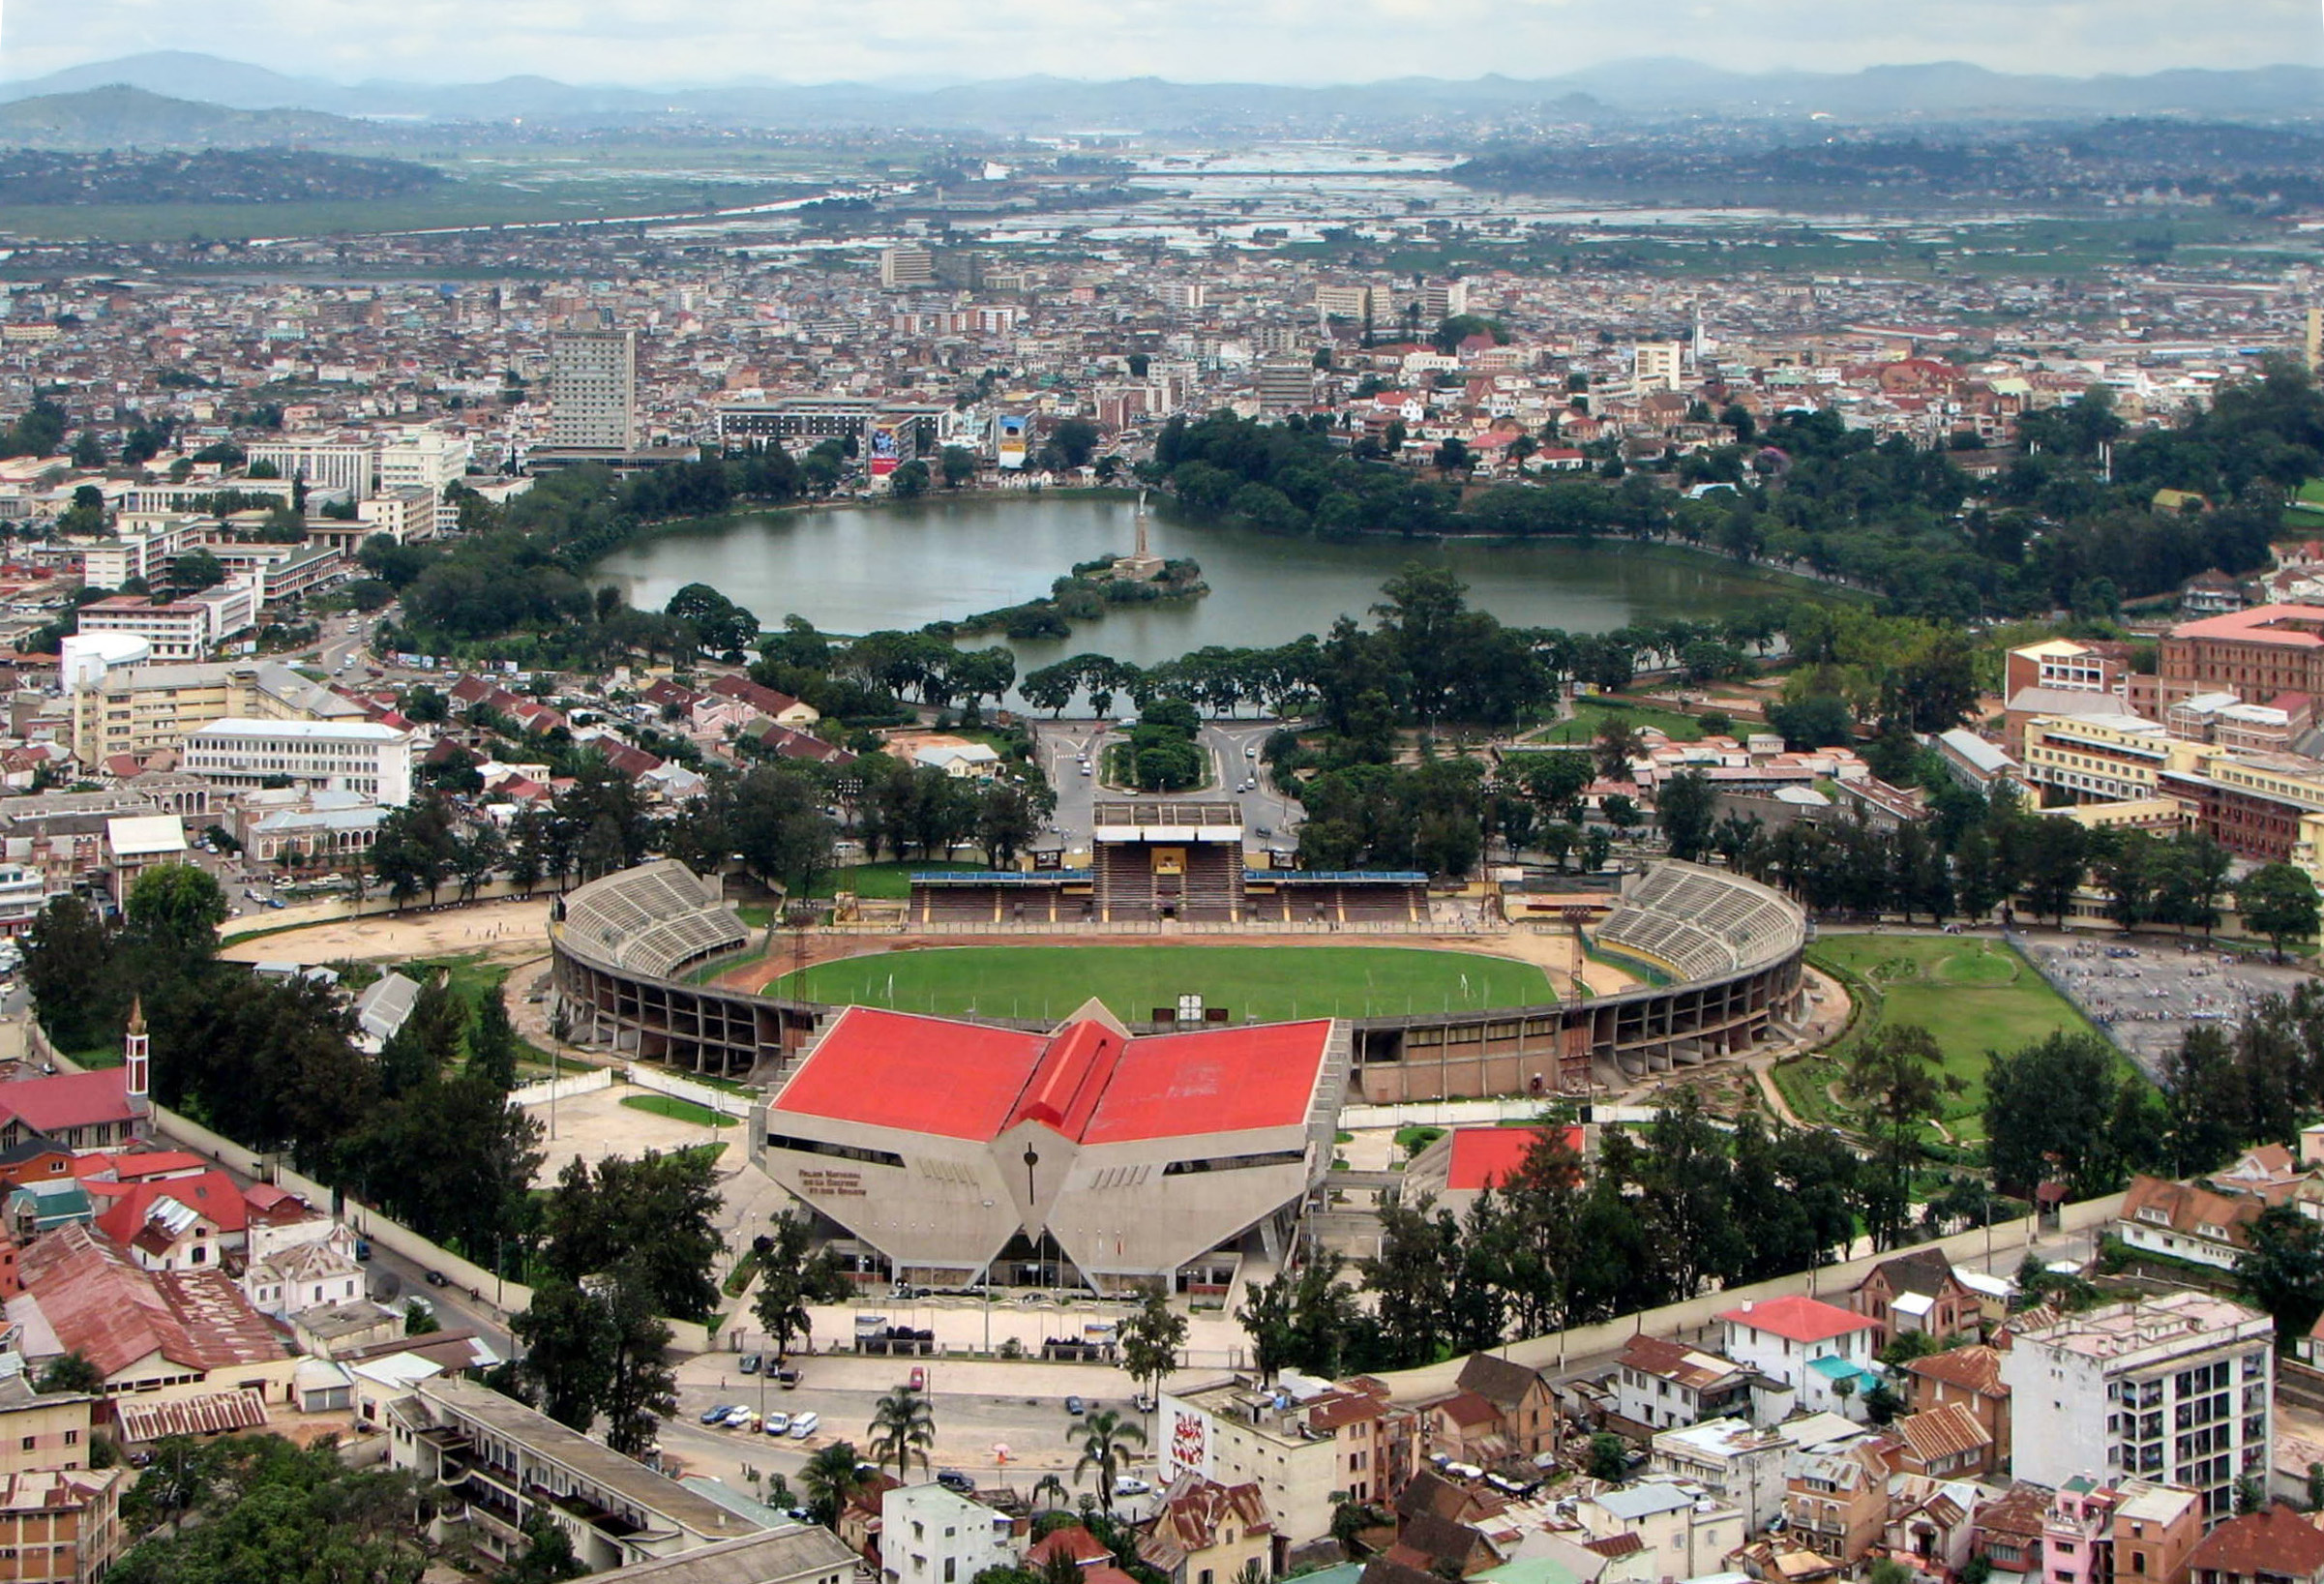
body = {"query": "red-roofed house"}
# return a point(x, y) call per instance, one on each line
point(780, 707)
point(173, 1223)
point(1084, 1155)
point(1808, 1344)
point(178, 1334)
point(78, 1110)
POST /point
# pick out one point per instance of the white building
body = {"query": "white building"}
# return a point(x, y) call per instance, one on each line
point(1685, 1532)
point(1740, 1464)
point(1811, 1347)
point(1658, 366)
point(593, 390)
point(143, 547)
point(23, 892)
point(187, 629)
point(907, 265)
point(426, 460)
point(2178, 1389)
point(361, 757)
point(346, 468)
point(929, 1534)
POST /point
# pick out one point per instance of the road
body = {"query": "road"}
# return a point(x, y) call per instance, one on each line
point(1033, 1425)
point(454, 1309)
point(1268, 818)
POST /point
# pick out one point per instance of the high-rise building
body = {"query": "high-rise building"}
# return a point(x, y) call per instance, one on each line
point(425, 459)
point(1286, 385)
point(2315, 339)
point(1344, 302)
point(593, 390)
point(1658, 365)
point(1442, 300)
point(907, 265)
point(2178, 1389)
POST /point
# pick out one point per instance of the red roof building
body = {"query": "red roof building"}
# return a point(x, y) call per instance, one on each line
point(78, 1110)
point(941, 1143)
point(144, 1327)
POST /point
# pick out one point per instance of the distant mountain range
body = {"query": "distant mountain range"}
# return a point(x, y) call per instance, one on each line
point(1941, 91)
point(119, 117)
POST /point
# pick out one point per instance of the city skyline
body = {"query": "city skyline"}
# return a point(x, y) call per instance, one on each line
point(630, 42)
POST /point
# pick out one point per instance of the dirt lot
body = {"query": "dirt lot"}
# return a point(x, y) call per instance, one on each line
point(502, 930)
point(592, 1126)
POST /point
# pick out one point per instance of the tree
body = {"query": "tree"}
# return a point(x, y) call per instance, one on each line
point(2280, 901)
point(830, 1477)
point(177, 905)
point(1897, 1075)
point(959, 465)
point(1618, 743)
point(262, 1507)
point(547, 1557)
point(1152, 1338)
point(792, 1275)
point(1609, 1458)
point(903, 1426)
point(1266, 1317)
point(71, 1372)
point(657, 1210)
point(493, 1042)
point(1105, 1438)
point(2281, 1271)
point(70, 967)
point(2047, 1106)
point(1685, 809)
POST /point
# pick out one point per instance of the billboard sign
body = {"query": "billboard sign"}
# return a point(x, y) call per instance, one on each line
point(884, 452)
point(1012, 438)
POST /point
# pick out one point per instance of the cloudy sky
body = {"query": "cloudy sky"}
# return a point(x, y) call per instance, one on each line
point(660, 42)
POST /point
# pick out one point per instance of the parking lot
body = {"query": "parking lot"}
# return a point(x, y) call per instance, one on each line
point(2149, 994)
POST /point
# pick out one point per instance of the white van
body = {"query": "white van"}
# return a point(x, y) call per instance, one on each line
point(803, 1425)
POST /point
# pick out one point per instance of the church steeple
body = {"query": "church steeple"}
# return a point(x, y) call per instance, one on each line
point(136, 1049)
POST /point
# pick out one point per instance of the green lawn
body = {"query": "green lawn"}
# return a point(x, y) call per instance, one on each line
point(1974, 995)
point(887, 882)
point(1265, 983)
point(470, 979)
point(677, 1110)
point(1589, 713)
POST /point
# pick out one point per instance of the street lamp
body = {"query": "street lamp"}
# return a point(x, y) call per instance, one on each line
point(1033, 1158)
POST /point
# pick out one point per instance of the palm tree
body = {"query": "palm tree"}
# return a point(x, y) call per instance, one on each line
point(1050, 1486)
point(1105, 1437)
point(830, 1477)
point(903, 1425)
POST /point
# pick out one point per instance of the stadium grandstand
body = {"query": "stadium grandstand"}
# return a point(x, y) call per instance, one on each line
point(1688, 922)
point(1724, 950)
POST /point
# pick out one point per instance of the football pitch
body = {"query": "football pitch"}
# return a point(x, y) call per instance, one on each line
point(1263, 985)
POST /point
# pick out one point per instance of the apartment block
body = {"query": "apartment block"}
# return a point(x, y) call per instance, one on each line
point(2178, 1389)
point(374, 762)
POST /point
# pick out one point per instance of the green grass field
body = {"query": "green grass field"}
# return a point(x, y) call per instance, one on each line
point(1974, 996)
point(1588, 714)
point(1251, 982)
point(677, 1110)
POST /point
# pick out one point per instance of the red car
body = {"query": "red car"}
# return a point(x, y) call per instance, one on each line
point(919, 1379)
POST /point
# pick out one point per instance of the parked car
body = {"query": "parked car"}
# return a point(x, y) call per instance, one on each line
point(718, 1415)
point(1125, 1485)
point(747, 1421)
point(1075, 1407)
point(778, 1423)
point(750, 1363)
point(363, 1249)
point(785, 1377)
point(919, 1379)
point(803, 1425)
point(954, 1479)
point(435, 1278)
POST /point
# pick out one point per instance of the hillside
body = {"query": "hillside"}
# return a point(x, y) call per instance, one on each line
point(119, 116)
point(271, 175)
point(1653, 89)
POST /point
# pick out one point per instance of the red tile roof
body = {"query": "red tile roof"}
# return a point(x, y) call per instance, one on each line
point(213, 1195)
point(2278, 1541)
point(62, 1102)
point(104, 1307)
point(1797, 1319)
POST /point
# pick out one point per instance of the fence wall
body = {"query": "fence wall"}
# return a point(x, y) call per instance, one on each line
point(2087, 1218)
point(686, 1089)
point(561, 1088)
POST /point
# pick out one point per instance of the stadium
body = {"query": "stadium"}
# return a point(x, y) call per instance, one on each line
point(954, 1148)
point(1709, 967)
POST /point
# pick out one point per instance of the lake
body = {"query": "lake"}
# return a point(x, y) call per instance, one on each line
point(855, 569)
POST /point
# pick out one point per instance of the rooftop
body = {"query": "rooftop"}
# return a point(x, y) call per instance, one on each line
point(1485, 1157)
point(1088, 1080)
point(1797, 1319)
point(2291, 626)
point(2121, 1328)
